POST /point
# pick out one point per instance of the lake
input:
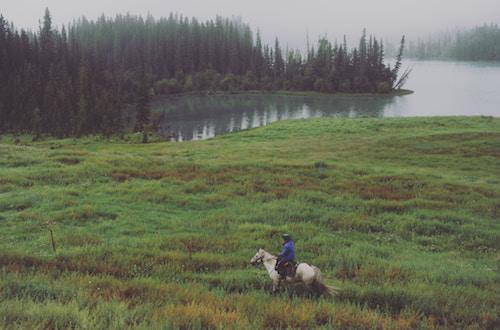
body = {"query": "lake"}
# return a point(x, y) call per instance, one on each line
point(442, 88)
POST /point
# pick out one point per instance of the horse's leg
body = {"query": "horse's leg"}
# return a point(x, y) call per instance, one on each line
point(311, 288)
point(316, 289)
point(276, 285)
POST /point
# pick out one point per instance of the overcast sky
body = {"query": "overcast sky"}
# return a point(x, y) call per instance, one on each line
point(287, 19)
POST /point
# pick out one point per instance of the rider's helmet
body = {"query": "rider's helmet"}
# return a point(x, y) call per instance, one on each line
point(286, 237)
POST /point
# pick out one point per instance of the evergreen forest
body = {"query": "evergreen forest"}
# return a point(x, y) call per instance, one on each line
point(481, 43)
point(98, 77)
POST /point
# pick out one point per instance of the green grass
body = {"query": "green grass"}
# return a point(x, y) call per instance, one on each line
point(401, 214)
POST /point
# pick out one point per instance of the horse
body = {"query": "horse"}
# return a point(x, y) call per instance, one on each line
point(309, 275)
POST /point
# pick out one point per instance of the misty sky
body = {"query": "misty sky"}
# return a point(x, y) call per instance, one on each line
point(287, 19)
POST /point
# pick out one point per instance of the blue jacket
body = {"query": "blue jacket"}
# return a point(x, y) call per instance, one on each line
point(287, 252)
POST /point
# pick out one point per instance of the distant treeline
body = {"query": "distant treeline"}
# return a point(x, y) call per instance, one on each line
point(98, 76)
point(481, 43)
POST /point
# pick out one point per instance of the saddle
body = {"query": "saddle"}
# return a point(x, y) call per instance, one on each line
point(287, 269)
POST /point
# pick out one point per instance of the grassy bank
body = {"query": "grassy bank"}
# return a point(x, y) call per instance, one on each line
point(402, 214)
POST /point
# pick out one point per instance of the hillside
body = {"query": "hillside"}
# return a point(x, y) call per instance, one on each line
point(401, 214)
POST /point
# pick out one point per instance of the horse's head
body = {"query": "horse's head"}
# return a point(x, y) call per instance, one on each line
point(258, 257)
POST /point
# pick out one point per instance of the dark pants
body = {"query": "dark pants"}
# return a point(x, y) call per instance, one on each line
point(281, 266)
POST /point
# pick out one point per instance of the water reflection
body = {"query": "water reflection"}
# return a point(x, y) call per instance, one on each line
point(441, 88)
point(202, 117)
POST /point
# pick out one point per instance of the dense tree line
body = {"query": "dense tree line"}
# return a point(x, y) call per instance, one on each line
point(99, 76)
point(481, 43)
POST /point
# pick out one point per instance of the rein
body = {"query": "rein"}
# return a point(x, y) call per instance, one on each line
point(260, 259)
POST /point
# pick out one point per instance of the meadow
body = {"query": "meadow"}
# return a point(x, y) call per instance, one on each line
point(402, 214)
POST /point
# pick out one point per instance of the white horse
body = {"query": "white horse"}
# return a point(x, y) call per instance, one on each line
point(309, 275)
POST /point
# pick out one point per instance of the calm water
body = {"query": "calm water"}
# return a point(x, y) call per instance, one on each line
point(441, 89)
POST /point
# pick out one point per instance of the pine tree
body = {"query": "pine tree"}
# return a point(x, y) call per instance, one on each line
point(258, 58)
point(399, 59)
point(47, 42)
point(83, 111)
point(142, 106)
point(279, 64)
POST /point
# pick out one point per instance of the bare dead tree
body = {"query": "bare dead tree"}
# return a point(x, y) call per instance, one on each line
point(403, 79)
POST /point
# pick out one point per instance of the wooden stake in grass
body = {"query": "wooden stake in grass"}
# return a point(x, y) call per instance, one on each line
point(50, 227)
point(189, 245)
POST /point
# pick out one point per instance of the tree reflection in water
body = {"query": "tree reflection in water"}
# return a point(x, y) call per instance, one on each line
point(200, 117)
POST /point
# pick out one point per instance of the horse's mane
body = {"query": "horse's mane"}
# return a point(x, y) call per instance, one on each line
point(267, 254)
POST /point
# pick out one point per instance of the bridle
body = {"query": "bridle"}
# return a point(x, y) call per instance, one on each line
point(258, 260)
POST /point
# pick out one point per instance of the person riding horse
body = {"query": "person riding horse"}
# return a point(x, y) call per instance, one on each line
point(285, 260)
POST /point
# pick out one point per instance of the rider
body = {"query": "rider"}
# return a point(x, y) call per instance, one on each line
point(287, 255)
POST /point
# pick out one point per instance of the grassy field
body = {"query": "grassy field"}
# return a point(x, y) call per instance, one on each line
point(401, 214)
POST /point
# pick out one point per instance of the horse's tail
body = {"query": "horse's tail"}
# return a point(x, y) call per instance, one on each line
point(320, 284)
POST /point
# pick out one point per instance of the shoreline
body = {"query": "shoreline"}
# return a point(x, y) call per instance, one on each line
point(400, 92)
point(154, 138)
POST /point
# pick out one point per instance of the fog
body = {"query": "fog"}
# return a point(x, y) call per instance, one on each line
point(289, 20)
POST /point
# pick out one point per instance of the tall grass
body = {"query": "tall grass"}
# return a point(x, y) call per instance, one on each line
point(401, 214)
